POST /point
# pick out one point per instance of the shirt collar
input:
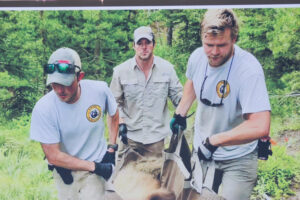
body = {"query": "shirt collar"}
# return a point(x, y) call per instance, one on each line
point(133, 63)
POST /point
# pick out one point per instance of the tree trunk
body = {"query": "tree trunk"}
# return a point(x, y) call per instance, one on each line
point(170, 35)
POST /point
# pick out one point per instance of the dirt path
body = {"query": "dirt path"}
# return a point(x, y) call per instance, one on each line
point(290, 139)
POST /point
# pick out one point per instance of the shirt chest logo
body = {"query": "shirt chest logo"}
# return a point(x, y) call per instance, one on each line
point(94, 113)
point(221, 87)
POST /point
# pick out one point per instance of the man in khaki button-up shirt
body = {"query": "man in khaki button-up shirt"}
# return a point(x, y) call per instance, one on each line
point(141, 86)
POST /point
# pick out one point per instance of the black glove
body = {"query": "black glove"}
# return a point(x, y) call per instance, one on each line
point(177, 121)
point(123, 133)
point(264, 149)
point(206, 150)
point(64, 173)
point(109, 157)
point(103, 169)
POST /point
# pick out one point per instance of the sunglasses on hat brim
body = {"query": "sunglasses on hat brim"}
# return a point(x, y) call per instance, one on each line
point(65, 68)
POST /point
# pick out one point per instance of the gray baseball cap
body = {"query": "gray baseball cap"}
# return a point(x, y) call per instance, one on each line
point(143, 32)
point(62, 55)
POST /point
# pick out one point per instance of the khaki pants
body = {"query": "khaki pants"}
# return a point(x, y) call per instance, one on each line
point(85, 186)
point(239, 176)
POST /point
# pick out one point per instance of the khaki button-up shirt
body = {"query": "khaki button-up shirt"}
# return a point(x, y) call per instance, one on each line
point(143, 103)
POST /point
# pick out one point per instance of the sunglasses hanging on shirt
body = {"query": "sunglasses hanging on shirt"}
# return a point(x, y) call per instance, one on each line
point(64, 68)
point(208, 102)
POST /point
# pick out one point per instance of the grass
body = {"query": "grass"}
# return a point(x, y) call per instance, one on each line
point(280, 125)
point(23, 171)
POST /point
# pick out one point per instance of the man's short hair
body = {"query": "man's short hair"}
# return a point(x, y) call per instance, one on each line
point(217, 20)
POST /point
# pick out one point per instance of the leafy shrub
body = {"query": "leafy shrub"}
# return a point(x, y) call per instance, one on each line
point(178, 60)
point(283, 95)
point(291, 82)
point(276, 175)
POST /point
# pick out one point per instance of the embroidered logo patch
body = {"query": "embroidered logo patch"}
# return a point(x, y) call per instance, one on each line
point(221, 87)
point(93, 113)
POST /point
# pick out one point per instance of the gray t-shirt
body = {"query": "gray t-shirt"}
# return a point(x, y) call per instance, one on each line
point(78, 127)
point(245, 93)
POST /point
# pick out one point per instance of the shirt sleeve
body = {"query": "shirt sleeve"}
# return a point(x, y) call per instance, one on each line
point(43, 127)
point(253, 95)
point(110, 104)
point(117, 91)
point(191, 67)
point(175, 88)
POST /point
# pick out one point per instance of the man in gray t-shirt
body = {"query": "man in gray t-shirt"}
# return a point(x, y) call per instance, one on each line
point(233, 109)
point(69, 124)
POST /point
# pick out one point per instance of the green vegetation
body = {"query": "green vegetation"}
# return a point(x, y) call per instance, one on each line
point(276, 175)
point(23, 170)
point(104, 39)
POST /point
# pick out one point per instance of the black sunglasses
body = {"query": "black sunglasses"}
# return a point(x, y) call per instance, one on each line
point(208, 102)
point(61, 68)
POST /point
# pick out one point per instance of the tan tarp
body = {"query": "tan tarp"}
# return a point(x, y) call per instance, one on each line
point(178, 172)
point(176, 175)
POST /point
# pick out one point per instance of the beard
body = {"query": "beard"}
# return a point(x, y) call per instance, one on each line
point(221, 59)
point(145, 57)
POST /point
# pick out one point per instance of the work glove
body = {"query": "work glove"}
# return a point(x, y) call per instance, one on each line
point(109, 157)
point(103, 169)
point(64, 173)
point(264, 148)
point(206, 150)
point(177, 121)
point(123, 133)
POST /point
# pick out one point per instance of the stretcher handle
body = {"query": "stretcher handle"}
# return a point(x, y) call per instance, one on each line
point(175, 140)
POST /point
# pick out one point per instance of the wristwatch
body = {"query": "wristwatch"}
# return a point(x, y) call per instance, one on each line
point(113, 146)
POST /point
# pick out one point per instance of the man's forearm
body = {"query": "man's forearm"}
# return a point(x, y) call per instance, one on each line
point(113, 127)
point(175, 89)
point(121, 120)
point(61, 159)
point(187, 99)
point(256, 126)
